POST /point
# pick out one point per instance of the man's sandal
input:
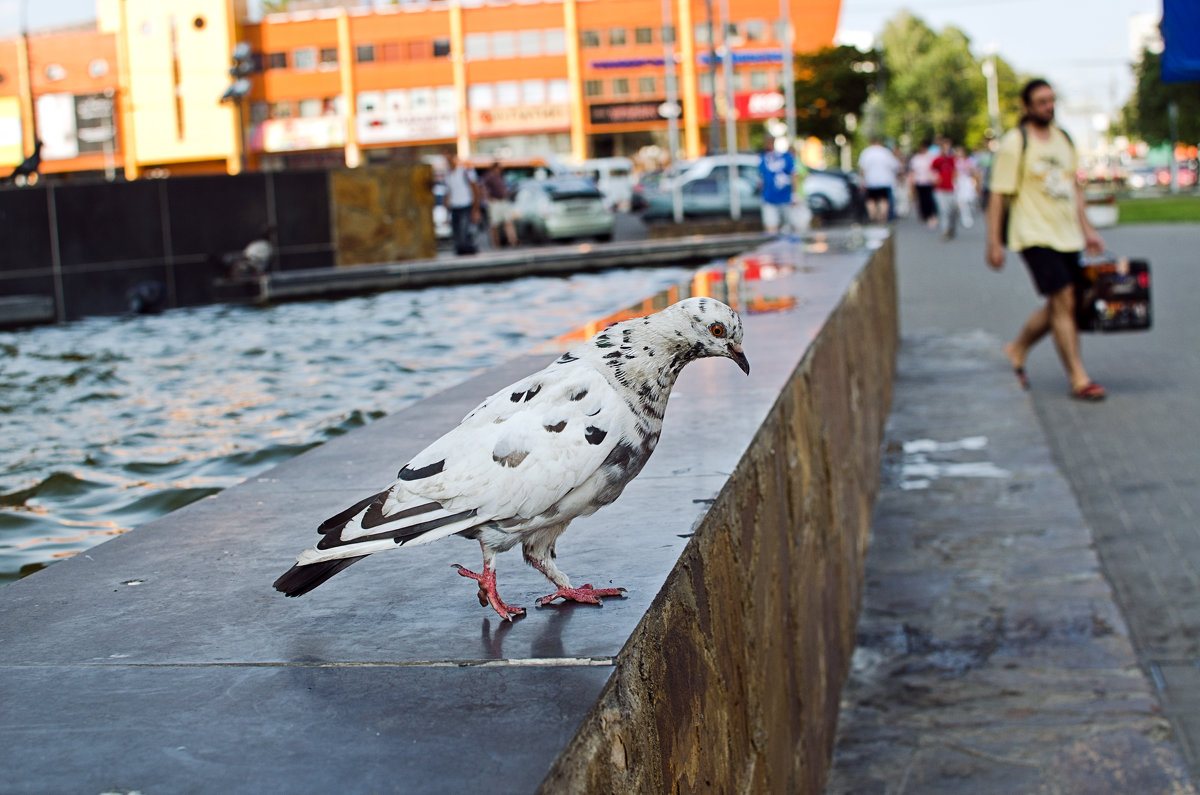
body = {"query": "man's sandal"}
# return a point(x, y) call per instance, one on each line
point(1092, 393)
point(1022, 378)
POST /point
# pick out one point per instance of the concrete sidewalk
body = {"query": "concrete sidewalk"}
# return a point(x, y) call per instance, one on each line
point(992, 653)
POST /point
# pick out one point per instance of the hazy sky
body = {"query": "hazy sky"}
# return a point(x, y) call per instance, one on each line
point(1082, 46)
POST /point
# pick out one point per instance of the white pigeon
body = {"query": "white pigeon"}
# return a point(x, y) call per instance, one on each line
point(558, 444)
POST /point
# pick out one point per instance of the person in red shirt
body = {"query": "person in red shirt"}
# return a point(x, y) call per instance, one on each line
point(945, 170)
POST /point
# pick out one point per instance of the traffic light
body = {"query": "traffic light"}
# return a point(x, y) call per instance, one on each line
point(243, 66)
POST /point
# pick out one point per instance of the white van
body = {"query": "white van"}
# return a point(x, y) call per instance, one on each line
point(613, 176)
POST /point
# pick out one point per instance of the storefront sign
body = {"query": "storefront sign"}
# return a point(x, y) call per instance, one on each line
point(626, 112)
point(524, 118)
point(293, 135)
point(70, 125)
point(748, 104)
point(393, 117)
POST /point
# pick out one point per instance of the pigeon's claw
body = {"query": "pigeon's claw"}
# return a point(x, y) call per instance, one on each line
point(587, 594)
point(487, 592)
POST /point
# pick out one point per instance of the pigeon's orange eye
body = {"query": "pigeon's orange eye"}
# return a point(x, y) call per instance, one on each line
point(717, 330)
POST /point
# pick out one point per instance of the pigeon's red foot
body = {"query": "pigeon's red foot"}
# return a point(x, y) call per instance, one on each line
point(586, 594)
point(488, 594)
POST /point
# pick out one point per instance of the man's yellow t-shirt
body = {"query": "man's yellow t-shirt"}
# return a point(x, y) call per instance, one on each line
point(1043, 213)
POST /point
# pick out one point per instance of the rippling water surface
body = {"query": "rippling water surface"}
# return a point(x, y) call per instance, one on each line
point(108, 423)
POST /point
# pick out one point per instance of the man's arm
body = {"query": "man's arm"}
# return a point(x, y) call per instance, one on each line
point(995, 232)
point(1091, 238)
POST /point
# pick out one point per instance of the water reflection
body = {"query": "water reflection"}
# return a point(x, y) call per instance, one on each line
point(108, 423)
point(743, 282)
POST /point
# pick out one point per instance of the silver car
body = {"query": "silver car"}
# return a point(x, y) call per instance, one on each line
point(561, 208)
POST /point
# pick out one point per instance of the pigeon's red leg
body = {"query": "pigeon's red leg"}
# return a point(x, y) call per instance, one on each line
point(487, 588)
point(586, 594)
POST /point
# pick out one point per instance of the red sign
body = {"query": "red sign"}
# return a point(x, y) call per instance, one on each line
point(748, 104)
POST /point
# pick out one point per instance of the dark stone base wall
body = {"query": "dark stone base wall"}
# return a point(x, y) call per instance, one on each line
point(732, 680)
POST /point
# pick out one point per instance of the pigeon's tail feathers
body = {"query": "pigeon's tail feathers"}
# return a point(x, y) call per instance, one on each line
point(300, 579)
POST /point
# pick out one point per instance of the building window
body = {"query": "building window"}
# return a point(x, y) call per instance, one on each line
point(277, 60)
point(259, 112)
point(735, 81)
point(281, 110)
point(444, 98)
point(388, 51)
point(418, 50)
point(556, 41)
point(706, 82)
point(530, 42)
point(365, 53)
point(754, 30)
point(643, 35)
point(758, 80)
point(533, 92)
point(479, 96)
point(328, 57)
point(476, 46)
point(589, 38)
point(616, 37)
point(441, 48)
point(620, 86)
point(671, 83)
point(701, 34)
point(731, 31)
point(779, 28)
point(647, 85)
point(508, 94)
point(305, 58)
point(310, 108)
point(668, 34)
point(593, 88)
point(559, 91)
point(504, 45)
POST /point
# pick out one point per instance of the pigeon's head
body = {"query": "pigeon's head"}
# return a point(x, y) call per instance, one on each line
point(715, 329)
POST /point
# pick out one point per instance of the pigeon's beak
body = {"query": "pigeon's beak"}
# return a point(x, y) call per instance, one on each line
point(735, 353)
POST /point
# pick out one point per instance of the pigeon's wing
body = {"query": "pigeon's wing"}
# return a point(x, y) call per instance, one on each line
point(526, 447)
point(514, 457)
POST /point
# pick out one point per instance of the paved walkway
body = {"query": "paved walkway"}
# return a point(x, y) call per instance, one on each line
point(991, 654)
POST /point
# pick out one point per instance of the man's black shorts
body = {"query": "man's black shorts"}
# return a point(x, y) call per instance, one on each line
point(878, 194)
point(1051, 270)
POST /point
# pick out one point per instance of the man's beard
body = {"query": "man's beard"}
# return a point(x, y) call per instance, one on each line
point(1038, 121)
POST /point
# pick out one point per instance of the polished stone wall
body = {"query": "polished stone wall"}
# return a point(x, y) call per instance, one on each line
point(732, 679)
point(382, 214)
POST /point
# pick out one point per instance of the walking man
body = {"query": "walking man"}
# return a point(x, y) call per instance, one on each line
point(879, 168)
point(776, 167)
point(1034, 176)
point(462, 197)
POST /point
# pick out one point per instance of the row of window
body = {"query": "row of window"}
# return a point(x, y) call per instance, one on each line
point(512, 93)
point(654, 86)
point(750, 31)
point(507, 44)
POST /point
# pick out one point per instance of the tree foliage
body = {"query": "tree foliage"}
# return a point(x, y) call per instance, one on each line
point(936, 85)
point(830, 84)
point(1145, 116)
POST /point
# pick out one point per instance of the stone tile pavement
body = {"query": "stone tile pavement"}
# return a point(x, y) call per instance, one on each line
point(992, 656)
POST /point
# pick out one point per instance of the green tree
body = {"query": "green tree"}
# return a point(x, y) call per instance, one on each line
point(936, 85)
point(1145, 116)
point(830, 84)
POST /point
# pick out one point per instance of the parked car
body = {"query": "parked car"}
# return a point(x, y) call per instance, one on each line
point(612, 175)
point(561, 208)
point(829, 193)
point(703, 196)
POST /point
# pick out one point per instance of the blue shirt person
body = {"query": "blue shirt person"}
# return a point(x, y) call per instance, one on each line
point(776, 169)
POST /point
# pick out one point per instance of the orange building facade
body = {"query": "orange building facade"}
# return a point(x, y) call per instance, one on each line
point(334, 86)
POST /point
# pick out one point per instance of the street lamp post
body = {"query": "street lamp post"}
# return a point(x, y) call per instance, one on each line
point(727, 43)
point(672, 106)
point(789, 70)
